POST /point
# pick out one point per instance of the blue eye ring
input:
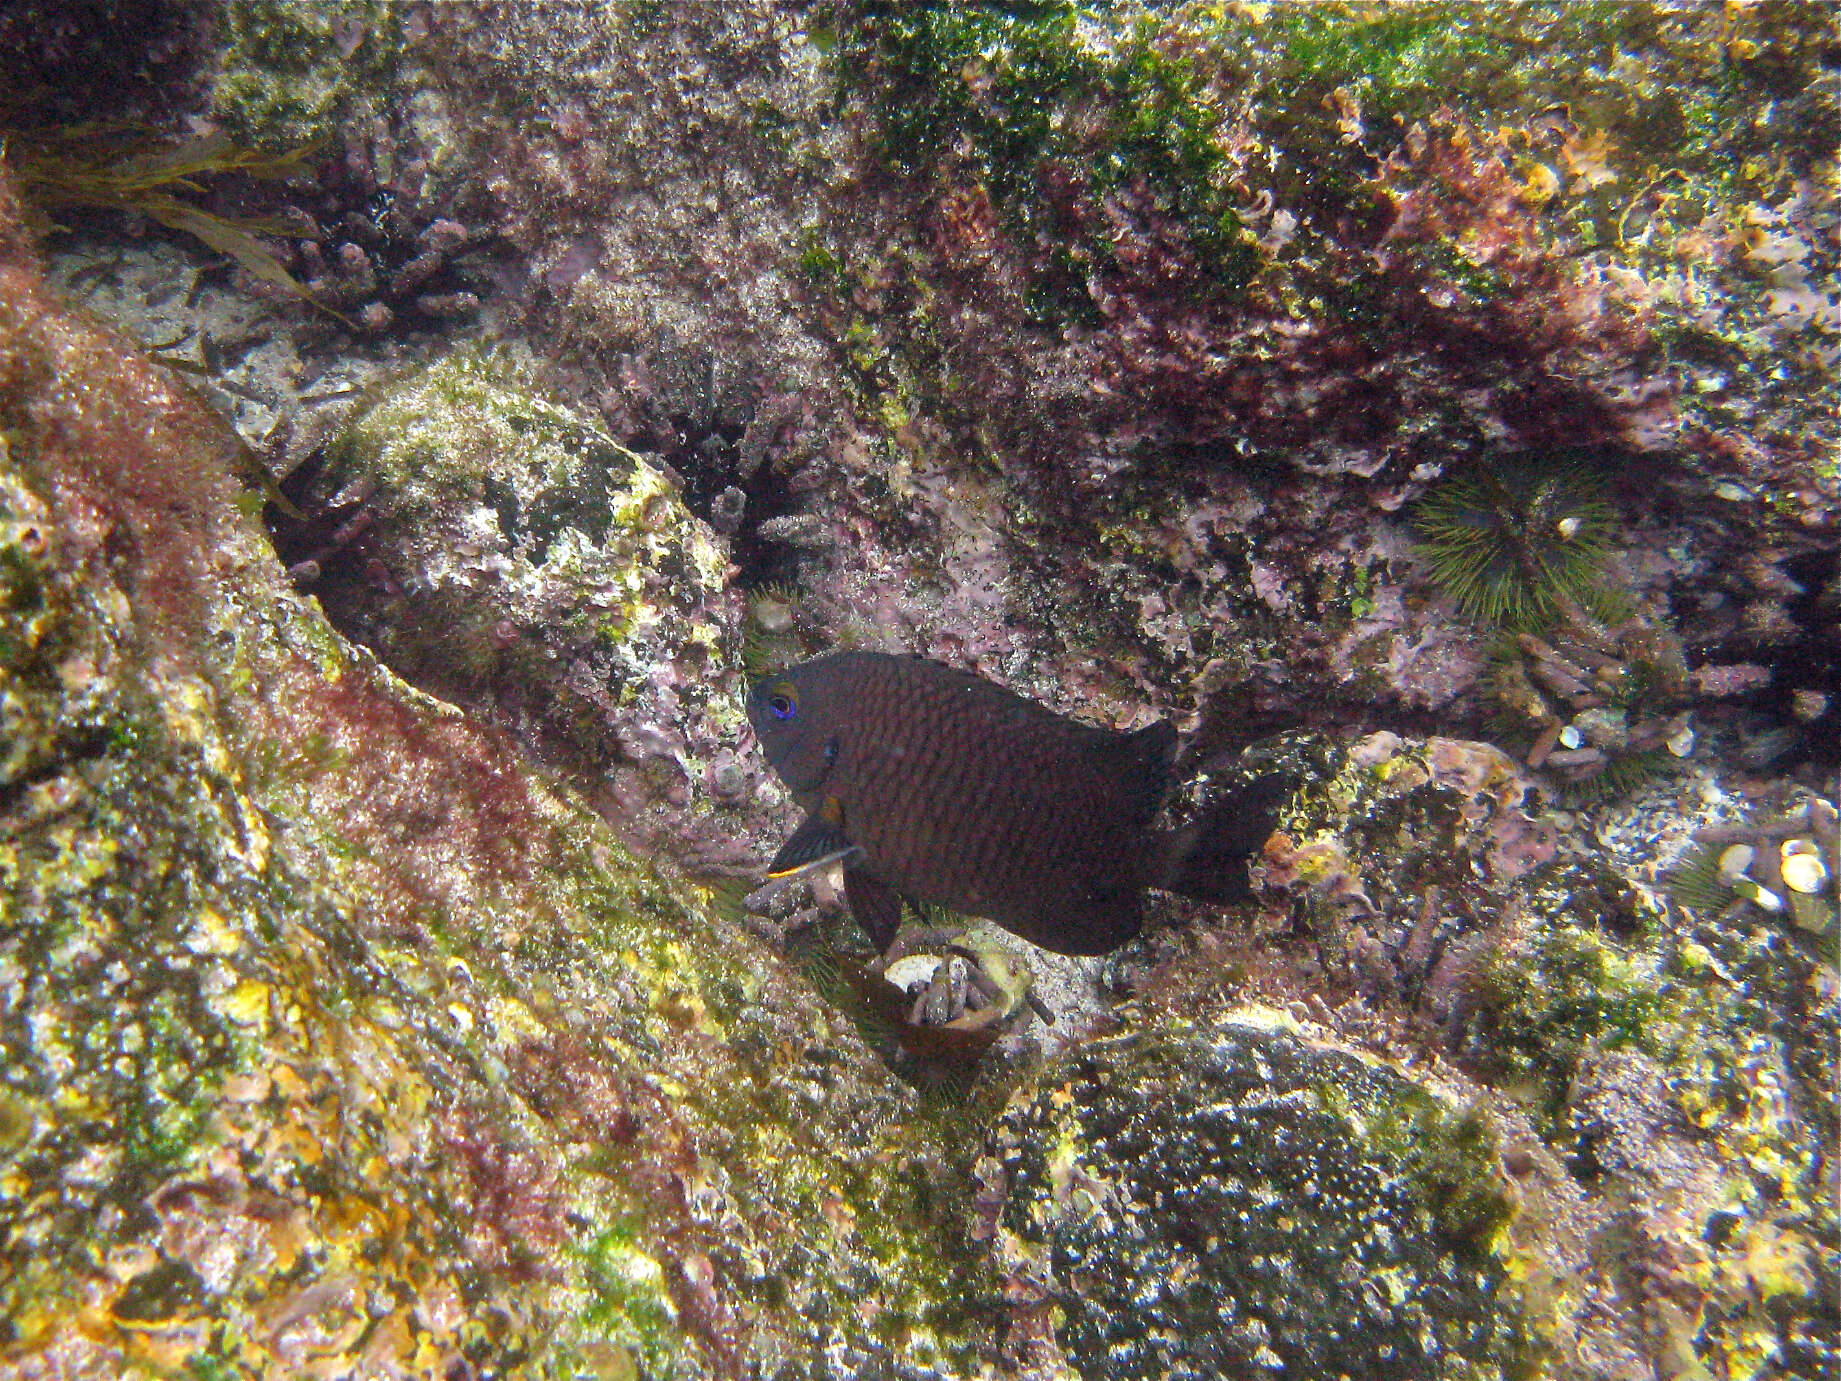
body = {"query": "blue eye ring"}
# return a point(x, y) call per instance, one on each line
point(783, 702)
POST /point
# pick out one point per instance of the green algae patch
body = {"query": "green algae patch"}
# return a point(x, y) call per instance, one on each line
point(1208, 104)
point(289, 74)
point(1559, 990)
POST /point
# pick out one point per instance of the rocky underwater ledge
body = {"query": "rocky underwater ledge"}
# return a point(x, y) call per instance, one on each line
point(373, 1001)
point(342, 1041)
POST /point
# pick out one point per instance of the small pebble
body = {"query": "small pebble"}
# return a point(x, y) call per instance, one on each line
point(442, 236)
point(416, 272)
point(726, 778)
point(1807, 706)
point(448, 306)
point(799, 530)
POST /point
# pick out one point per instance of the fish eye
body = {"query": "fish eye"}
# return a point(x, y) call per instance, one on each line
point(783, 702)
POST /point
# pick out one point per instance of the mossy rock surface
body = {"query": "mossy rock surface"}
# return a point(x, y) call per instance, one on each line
point(290, 74)
point(1240, 1201)
point(336, 1039)
point(520, 562)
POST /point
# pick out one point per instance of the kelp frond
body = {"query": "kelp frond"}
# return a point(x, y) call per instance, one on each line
point(112, 166)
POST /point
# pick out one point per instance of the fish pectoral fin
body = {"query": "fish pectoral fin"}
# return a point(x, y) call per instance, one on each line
point(818, 841)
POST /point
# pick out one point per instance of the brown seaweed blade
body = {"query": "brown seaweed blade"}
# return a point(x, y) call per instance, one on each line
point(103, 166)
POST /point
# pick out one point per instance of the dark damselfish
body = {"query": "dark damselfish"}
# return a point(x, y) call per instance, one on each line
point(938, 786)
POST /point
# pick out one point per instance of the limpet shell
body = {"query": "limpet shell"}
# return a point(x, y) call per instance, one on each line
point(1681, 742)
point(1736, 859)
point(1570, 737)
point(1803, 872)
point(910, 969)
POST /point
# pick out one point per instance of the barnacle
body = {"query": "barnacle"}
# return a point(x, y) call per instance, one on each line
point(1521, 543)
point(114, 166)
point(769, 640)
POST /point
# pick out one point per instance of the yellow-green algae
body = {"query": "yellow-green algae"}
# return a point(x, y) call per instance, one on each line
point(288, 73)
point(519, 513)
point(1566, 969)
point(335, 1039)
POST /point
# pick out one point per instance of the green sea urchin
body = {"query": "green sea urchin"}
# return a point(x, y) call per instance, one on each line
point(1520, 544)
point(769, 637)
point(1577, 672)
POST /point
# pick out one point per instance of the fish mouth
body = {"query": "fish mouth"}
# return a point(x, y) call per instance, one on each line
point(774, 749)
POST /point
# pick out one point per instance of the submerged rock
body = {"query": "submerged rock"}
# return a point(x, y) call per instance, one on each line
point(334, 1039)
point(1237, 1200)
point(506, 553)
point(1659, 1076)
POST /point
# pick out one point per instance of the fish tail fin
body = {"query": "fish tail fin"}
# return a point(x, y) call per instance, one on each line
point(1207, 858)
point(1143, 758)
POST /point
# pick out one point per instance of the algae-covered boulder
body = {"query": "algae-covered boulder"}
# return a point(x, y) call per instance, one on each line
point(1428, 901)
point(504, 551)
point(335, 1041)
point(1238, 1201)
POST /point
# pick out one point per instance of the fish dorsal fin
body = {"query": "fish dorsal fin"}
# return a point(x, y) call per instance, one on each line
point(1143, 757)
point(818, 840)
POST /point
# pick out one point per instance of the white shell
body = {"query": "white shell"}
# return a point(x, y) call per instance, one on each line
point(1569, 527)
point(1681, 742)
point(1735, 860)
point(1570, 737)
point(1759, 896)
point(1804, 873)
point(910, 969)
